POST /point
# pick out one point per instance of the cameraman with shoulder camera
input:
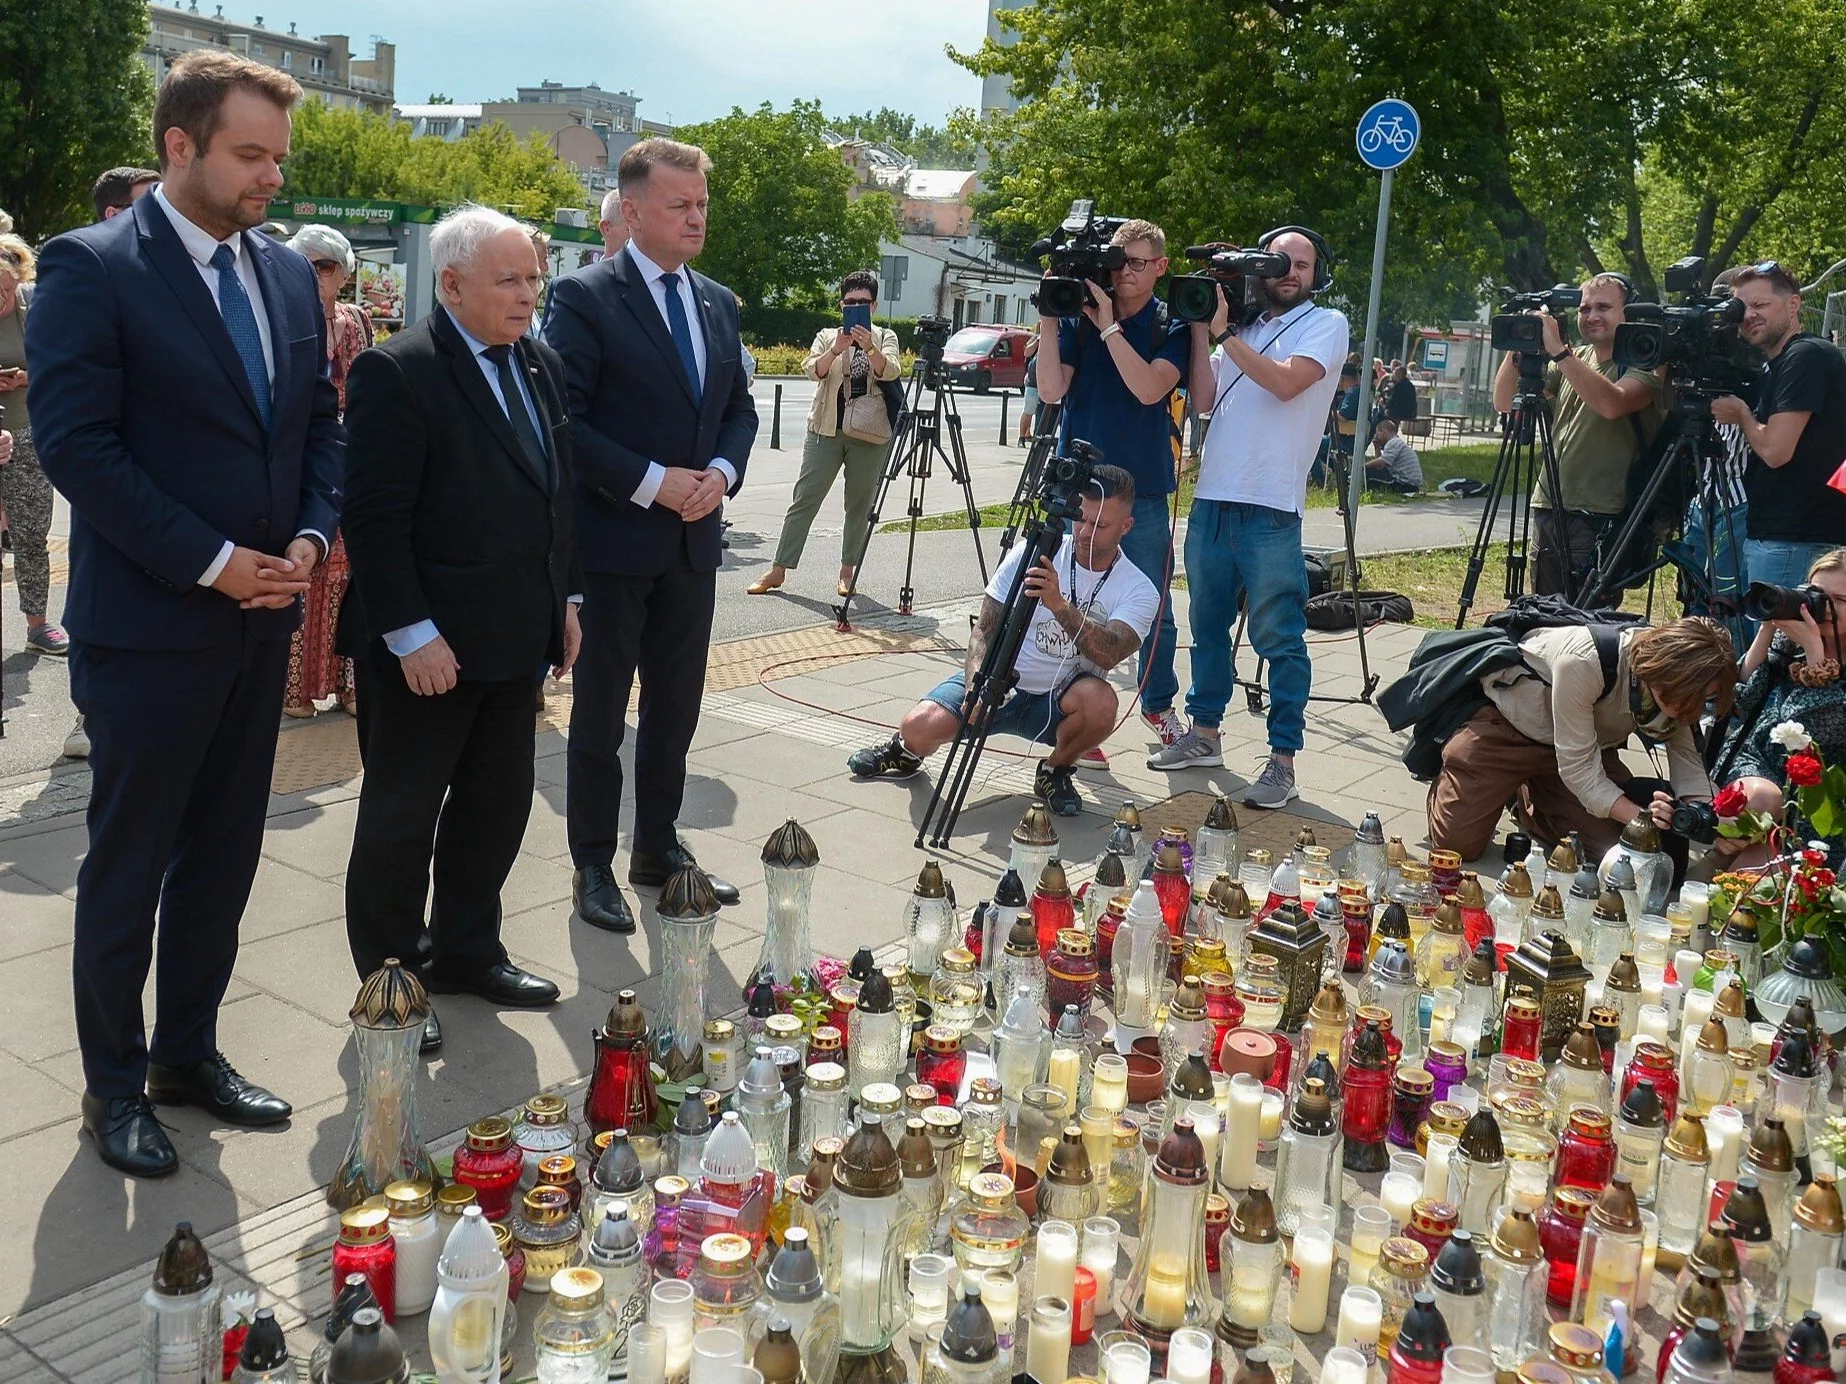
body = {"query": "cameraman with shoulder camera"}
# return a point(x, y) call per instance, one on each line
point(1269, 384)
point(1114, 368)
point(1605, 414)
point(1796, 433)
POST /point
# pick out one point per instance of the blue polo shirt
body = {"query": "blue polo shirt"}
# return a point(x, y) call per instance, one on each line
point(1102, 411)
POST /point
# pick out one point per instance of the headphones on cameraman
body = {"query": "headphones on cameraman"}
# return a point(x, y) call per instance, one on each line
point(1323, 258)
point(1628, 289)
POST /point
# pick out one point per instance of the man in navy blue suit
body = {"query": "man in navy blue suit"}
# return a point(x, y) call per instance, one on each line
point(662, 424)
point(181, 403)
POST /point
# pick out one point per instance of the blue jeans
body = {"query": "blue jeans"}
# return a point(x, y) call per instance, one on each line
point(1236, 551)
point(1729, 574)
point(1781, 562)
point(1146, 547)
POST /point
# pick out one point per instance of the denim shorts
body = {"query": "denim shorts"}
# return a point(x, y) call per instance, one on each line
point(1029, 715)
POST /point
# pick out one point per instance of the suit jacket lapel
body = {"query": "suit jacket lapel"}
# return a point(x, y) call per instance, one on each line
point(161, 244)
point(701, 292)
point(473, 385)
point(640, 300)
point(269, 278)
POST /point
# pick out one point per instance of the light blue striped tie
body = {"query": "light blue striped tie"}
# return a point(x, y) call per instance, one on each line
point(240, 322)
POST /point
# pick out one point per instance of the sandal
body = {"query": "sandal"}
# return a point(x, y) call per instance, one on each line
point(762, 586)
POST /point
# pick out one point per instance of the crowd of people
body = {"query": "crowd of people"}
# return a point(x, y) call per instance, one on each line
point(270, 510)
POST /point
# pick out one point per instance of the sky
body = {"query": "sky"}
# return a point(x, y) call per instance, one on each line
point(687, 60)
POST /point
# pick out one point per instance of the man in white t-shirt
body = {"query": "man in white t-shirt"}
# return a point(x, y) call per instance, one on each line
point(1094, 609)
point(1268, 387)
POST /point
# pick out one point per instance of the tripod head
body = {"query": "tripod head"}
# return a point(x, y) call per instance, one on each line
point(1531, 388)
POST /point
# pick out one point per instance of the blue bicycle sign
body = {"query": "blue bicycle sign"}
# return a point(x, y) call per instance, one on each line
point(1388, 133)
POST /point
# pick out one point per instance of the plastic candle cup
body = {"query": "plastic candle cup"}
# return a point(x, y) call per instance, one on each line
point(1109, 1083)
point(1313, 1269)
point(1189, 1356)
point(1361, 1315)
point(1399, 1193)
point(669, 1306)
point(1126, 1362)
point(1238, 1149)
point(1102, 1237)
point(1696, 898)
point(714, 1351)
point(1650, 1246)
point(1370, 1227)
point(1269, 1127)
point(1344, 1365)
point(647, 1354)
point(1436, 1160)
point(1048, 1344)
point(1057, 1260)
point(1000, 1295)
point(1467, 1365)
point(1830, 1302)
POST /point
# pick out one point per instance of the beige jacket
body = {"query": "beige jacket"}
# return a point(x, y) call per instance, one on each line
point(824, 414)
point(1557, 700)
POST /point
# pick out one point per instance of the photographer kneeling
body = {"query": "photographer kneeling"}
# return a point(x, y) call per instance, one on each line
point(1791, 673)
point(1114, 368)
point(1549, 734)
point(1094, 609)
point(1603, 414)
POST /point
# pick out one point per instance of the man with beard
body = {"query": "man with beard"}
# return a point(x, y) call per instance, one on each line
point(1602, 415)
point(1796, 433)
point(1268, 387)
point(181, 403)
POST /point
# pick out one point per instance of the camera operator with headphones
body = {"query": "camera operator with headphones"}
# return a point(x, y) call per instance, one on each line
point(1115, 369)
point(1269, 386)
point(1604, 415)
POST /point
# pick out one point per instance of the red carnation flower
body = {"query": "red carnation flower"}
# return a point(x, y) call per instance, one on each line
point(1804, 770)
point(1730, 801)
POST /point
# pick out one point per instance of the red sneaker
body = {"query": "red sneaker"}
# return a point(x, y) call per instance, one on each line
point(1093, 759)
point(1167, 725)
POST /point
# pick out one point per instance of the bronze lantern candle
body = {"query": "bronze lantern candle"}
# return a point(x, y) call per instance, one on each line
point(1547, 970)
point(1297, 943)
point(388, 1018)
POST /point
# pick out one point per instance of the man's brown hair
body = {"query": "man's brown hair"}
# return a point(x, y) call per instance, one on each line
point(1682, 659)
point(641, 159)
point(1768, 272)
point(192, 96)
point(1131, 231)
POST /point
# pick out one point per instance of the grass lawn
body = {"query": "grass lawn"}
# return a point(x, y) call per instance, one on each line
point(1433, 581)
point(1474, 460)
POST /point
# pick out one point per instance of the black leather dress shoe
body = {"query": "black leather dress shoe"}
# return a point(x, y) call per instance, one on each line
point(652, 869)
point(504, 984)
point(127, 1135)
point(599, 899)
point(432, 1034)
point(216, 1088)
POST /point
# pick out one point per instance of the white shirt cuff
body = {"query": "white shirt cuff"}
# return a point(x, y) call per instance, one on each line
point(218, 564)
point(650, 485)
point(574, 600)
point(408, 640)
point(325, 546)
point(730, 473)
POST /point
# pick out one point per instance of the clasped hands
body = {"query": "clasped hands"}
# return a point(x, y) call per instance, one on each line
point(691, 494)
point(262, 581)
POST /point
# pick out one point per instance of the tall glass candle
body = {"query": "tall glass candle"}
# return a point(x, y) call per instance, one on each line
point(1048, 1344)
point(1361, 1315)
point(1370, 1226)
point(1311, 1268)
point(1056, 1252)
point(1102, 1236)
point(1238, 1167)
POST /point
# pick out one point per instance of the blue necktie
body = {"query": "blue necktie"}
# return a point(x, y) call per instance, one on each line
point(240, 322)
point(682, 335)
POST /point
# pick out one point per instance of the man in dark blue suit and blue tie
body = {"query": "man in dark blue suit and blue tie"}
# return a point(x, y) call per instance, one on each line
point(662, 423)
point(181, 403)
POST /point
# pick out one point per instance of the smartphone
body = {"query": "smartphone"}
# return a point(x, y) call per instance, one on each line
point(856, 315)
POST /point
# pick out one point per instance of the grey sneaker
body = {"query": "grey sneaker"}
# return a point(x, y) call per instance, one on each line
point(1191, 751)
point(77, 743)
point(1274, 787)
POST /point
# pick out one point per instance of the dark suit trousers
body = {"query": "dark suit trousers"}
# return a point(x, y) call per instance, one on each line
point(447, 791)
point(660, 627)
point(181, 747)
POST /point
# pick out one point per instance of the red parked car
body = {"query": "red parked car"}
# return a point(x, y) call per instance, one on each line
point(985, 355)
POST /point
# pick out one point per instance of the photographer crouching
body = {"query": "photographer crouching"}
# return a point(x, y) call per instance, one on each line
point(1270, 384)
point(1604, 414)
point(1094, 609)
point(1114, 366)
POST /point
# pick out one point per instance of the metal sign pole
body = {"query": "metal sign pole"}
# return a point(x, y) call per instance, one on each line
point(1362, 425)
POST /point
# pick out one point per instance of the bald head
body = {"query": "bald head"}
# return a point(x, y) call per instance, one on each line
point(1303, 267)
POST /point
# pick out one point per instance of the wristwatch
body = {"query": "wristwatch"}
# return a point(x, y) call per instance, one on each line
point(1561, 356)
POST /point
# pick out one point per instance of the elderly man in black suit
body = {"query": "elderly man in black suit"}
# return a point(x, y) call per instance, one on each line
point(180, 400)
point(458, 526)
point(663, 424)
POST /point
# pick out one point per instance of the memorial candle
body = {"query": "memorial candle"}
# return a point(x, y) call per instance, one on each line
point(1312, 1269)
point(1238, 1167)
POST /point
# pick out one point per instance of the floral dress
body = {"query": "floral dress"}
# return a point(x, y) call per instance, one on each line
point(314, 669)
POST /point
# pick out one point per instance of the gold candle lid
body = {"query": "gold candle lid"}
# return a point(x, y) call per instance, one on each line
point(503, 1237)
point(1517, 881)
point(1819, 1208)
point(992, 1190)
point(559, 1170)
point(1729, 1003)
point(1404, 1257)
point(1517, 1238)
point(546, 1205)
point(576, 1290)
point(1469, 893)
point(410, 1198)
point(1713, 1037)
point(490, 1134)
point(364, 1225)
point(725, 1251)
point(545, 1110)
point(1575, 1346)
point(1687, 1142)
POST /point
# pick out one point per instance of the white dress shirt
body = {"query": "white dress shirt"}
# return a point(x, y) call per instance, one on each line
point(651, 274)
point(201, 246)
point(410, 638)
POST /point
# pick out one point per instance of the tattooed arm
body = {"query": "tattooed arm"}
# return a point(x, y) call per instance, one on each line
point(984, 626)
point(1103, 645)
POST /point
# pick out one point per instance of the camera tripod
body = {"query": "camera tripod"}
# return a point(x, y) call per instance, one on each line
point(1254, 691)
point(1044, 442)
point(915, 441)
point(1043, 534)
point(1695, 450)
point(1525, 447)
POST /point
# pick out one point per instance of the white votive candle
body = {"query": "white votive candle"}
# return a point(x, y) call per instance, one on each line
point(1065, 1072)
point(1399, 1193)
point(1048, 1345)
point(1102, 1237)
point(1238, 1150)
point(1057, 1260)
point(1188, 1357)
point(1436, 1161)
point(1361, 1314)
point(1313, 1261)
point(1269, 1128)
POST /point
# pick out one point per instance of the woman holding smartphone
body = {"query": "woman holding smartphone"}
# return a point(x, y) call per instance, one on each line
point(848, 428)
point(24, 491)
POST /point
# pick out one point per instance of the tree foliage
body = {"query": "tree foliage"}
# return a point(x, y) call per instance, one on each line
point(953, 144)
point(1556, 137)
point(348, 153)
point(783, 226)
point(75, 99)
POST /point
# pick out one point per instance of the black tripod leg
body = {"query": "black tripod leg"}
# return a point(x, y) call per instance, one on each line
point(1483, 534)
point(957, 462)
point(896, 460)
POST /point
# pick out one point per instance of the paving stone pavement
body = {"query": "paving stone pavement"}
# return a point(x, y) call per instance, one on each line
point(84, 1236)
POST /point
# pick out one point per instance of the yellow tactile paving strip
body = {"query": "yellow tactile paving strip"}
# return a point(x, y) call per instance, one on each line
point(1274, 832)
point(325, 751)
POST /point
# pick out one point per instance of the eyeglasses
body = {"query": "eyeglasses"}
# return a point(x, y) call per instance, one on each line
point(325, 267)
point(855, 302)
point(1137, 264)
